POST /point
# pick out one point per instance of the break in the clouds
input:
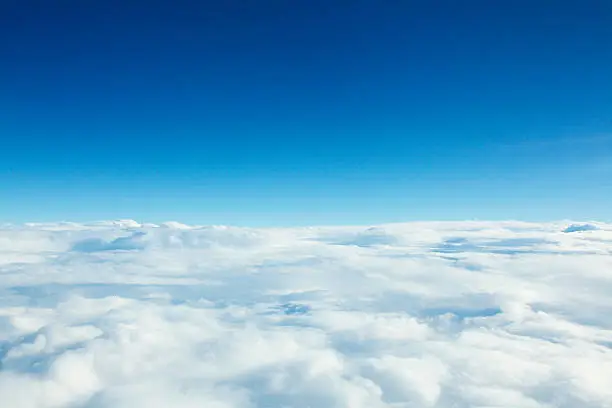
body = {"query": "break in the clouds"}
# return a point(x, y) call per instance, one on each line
point(581, 228)
point(470, 314)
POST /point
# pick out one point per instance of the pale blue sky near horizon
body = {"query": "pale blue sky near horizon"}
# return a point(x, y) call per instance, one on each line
point(305, 112)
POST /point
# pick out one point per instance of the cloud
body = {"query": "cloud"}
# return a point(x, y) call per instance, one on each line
point(122, 314)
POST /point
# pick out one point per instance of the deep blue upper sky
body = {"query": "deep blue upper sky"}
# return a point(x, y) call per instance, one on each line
point(290, 112)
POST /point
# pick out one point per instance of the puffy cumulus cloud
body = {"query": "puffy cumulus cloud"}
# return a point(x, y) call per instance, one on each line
point(474, 314)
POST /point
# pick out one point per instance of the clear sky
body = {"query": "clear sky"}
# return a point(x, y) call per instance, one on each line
point(277, 112)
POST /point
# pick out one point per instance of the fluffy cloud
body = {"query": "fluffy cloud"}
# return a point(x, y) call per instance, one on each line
point(474, 314)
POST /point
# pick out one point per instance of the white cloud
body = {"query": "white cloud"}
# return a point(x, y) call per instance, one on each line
point(474, 314)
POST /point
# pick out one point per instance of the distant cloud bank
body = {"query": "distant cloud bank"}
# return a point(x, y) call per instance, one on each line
point(464, 314)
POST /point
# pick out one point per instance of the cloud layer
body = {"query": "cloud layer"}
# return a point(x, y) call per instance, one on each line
point(472, 314)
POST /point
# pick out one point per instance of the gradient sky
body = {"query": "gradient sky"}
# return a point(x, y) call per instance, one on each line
point(276, 112)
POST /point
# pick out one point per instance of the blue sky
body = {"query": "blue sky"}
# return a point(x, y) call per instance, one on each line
point(278, 112)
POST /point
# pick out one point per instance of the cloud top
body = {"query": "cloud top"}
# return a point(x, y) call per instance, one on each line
point(122, 314)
